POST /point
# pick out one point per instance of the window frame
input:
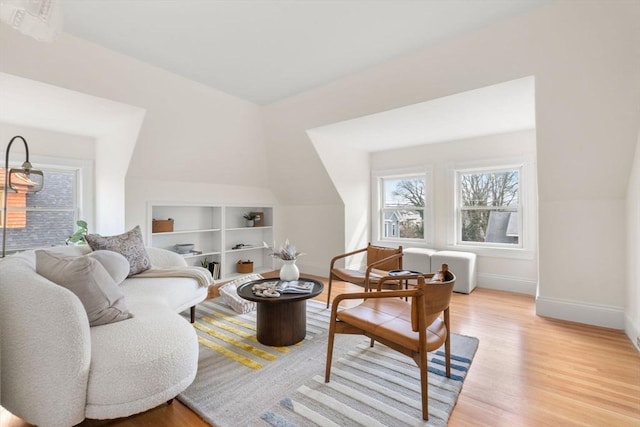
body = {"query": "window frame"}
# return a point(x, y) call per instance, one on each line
point(526, 208)
point(83, 186)
point(377, 208)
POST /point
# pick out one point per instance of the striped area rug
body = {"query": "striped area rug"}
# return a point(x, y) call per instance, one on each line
point(242, 382)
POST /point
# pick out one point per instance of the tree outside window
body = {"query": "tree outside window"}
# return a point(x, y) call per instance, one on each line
point(489, 207)
point(403, 207)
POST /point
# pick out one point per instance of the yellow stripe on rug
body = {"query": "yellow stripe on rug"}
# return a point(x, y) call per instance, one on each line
point(230, 354)
point(239, 332)
point(236, 343)
point(235, 320)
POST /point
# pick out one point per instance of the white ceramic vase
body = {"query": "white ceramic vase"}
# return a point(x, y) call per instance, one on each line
point(289, 270)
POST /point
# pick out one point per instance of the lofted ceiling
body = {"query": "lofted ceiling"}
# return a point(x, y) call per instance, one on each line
point(500, 108)
point(264, 50)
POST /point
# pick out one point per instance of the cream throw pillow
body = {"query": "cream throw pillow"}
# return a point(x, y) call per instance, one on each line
point(116, 265)
point(89, 280)
point(129, 244)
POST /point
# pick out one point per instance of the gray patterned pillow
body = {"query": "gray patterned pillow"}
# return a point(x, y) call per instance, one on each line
point(129, 244)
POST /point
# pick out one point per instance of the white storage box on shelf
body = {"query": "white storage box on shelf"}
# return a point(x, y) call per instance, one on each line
point(462, 264)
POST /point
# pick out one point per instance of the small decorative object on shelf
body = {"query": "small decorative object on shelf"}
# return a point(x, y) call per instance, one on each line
point(258, 221)
point(241, 246)
point(161, 225)
point(245, 266)
point(250, 217)
point(212, 266)
point(184, 248)
point(288, 254)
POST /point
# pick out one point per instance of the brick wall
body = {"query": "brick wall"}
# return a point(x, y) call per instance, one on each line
point(53, 221)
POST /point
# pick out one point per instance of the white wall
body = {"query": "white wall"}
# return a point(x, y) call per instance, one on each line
point(209, 142)
point(45, 143)
point(349, 170)
point(518, 275)
point(584, 60)
point(309, 228)
point(632, 308)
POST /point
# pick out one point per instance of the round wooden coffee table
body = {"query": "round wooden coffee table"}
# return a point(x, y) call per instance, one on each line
point(280, 321)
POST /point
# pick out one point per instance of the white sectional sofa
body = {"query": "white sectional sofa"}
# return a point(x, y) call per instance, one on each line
point(56, 370)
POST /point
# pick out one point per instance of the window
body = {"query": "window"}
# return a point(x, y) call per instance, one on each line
point(489, 210)
point(45, 218)
point(402, 212)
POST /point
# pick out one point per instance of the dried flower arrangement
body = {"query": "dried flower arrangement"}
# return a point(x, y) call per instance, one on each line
point(286, 252)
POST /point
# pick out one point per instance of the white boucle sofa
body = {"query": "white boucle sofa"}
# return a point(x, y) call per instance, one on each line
point(55, 370)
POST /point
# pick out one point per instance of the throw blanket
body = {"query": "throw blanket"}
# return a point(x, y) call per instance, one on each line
point(202, 275)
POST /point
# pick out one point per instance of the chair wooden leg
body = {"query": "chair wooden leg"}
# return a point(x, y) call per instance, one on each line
point(329, 290)
point(447, 345)
point(327, 369)
point(193, 314)
point(424, 385)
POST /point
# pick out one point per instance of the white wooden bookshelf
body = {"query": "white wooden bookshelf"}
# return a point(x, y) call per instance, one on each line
point(215, 230)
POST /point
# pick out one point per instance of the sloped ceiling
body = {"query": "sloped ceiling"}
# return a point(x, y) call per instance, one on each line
point(500, 108)
point(263, 51)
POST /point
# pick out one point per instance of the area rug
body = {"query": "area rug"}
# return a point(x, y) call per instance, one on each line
point(241, 382)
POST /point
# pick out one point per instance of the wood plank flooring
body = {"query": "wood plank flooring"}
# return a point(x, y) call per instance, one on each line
point(528, 371)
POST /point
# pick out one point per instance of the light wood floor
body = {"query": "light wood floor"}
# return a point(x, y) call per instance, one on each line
point(528, 371)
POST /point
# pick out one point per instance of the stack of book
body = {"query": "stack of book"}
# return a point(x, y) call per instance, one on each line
point(214, 268)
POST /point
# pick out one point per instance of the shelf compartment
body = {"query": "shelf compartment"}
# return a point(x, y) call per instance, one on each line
point(167, 233)
point(189, 217)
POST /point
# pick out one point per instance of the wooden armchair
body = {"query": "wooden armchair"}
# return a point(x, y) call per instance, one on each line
point(412, 327)
point(380, 260)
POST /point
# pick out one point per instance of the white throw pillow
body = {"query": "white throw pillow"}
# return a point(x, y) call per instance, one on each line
point(229, 294)
point(89, 280)
point(116, 264)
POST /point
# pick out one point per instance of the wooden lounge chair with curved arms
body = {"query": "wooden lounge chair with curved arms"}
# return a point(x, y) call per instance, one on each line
point(412, 327)
point(380, 260)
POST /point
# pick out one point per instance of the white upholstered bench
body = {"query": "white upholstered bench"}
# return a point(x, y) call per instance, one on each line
point(462, 264)
point(417, 259)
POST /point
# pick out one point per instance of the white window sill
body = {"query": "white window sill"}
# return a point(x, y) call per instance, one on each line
point(513, 253)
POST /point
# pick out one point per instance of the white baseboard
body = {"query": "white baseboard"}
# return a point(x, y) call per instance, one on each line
point(506, 283)
point(591, 314)
point(633, 332)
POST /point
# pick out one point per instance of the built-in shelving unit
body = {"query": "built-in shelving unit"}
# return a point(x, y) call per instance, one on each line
point(215, 230)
